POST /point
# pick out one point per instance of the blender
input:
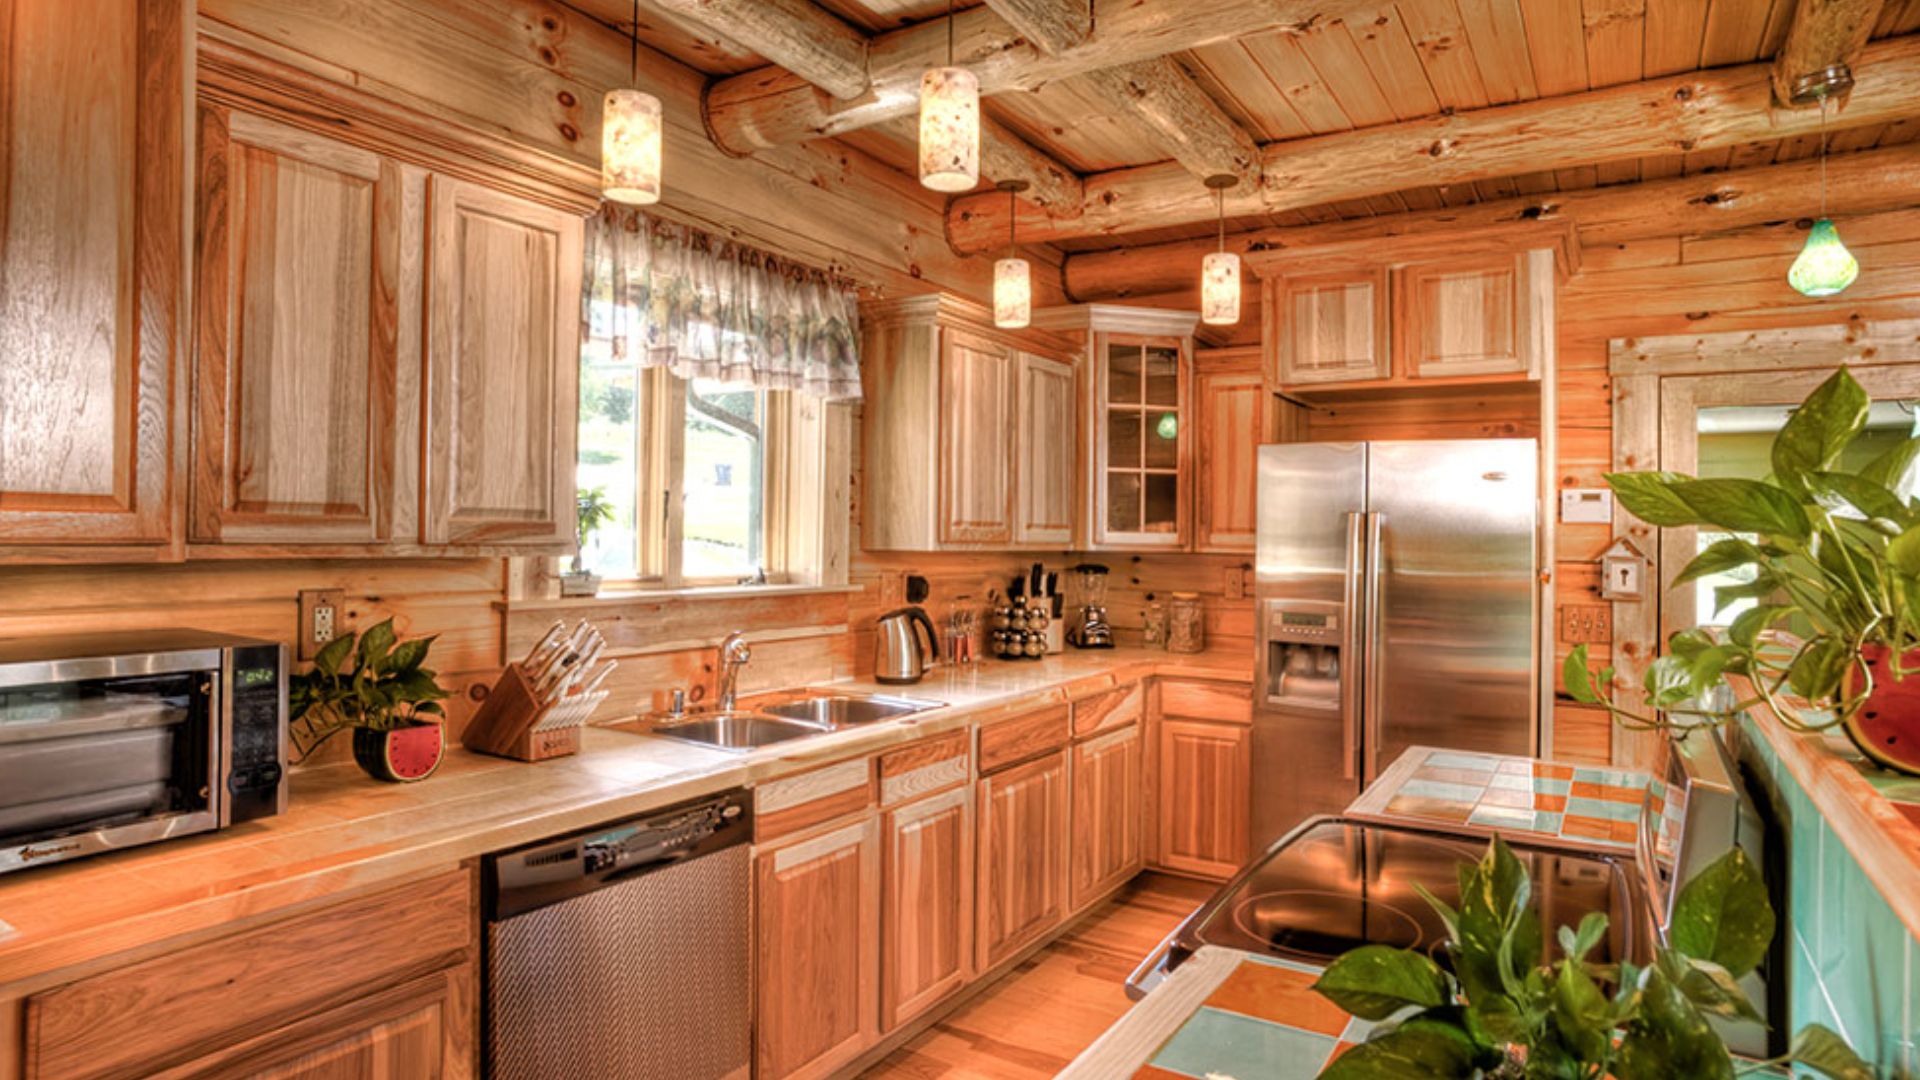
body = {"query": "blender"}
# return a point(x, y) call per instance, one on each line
point(1090, 629)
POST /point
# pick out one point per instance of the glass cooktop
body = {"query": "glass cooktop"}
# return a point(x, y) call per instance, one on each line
point(1338, 885)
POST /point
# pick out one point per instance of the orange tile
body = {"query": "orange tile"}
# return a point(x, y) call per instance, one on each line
point(1592, 828)
point(1624, 832)
point(1280, 996)
point(1622, 794)
point(1549, 771)
point(1339, 1048)
point(1554, 803)
point(1585, 789)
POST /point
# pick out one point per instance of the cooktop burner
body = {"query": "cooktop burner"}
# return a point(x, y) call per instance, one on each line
point(1335, 885)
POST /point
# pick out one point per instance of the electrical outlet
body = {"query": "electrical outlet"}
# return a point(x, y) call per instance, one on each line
point(1235, 584)
point(1586, 624)
point(323, 614)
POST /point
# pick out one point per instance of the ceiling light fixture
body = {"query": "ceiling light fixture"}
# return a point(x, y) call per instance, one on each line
point(1012, 277)
point(949, 124)
point(631, 130)
point(1824, 266)
point(1220, 271)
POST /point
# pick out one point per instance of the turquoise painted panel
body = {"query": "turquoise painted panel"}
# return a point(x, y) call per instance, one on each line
point(1216, 1041)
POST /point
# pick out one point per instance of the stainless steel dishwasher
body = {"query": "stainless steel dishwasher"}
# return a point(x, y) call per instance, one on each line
point(622, 952)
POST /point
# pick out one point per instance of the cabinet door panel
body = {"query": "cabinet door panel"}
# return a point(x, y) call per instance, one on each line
point(1022, 887)
point(1230, 406)
point(1463, 318)
point(1332, 327)
point(1106, 848)
point(1203, 797)
point(976, 425)
point(1045, 453)
point(297, 364)
point(503, 365)
point(1141, 448)
point(817, 977)
point(91, 224)
point(926, 914)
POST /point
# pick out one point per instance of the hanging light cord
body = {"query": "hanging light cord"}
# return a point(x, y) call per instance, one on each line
point(1220, 205)
point(633, 47)
point(949, 33)
point(1823, 155)
point(1013, 222)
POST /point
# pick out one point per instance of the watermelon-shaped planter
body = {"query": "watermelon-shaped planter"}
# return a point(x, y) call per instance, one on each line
point(1887, 727)
point(402, 755)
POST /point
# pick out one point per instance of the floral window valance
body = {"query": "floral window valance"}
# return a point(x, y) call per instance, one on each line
point(704, 307)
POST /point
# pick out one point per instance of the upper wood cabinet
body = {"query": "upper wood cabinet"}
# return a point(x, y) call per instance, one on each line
point(817, 963)
point(1045, 463)
point(1330, 327)
point(1470, 317)
point(1230, 403)
point(968, 431)
point(92, 223)
point(296, 417)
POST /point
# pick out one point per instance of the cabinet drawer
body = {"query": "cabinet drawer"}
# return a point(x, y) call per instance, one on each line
point(1221, 702)
point(193, 1002)
point(923, 768)
point(1024, 737)
point(1105, 712)
point(797, 802)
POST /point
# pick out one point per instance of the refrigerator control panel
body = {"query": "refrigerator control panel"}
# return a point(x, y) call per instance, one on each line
point(1302, 624)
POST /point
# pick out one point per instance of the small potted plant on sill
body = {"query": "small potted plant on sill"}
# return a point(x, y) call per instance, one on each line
point(592, 512)
point(1497, 1010)
point(1834, 635)
point(388, 698)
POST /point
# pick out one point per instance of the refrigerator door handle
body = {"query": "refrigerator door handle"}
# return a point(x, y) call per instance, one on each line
point(1351, 666)
point(1370, 665)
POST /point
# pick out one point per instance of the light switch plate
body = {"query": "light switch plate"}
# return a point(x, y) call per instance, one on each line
point(1586, 506)
point(323, 617)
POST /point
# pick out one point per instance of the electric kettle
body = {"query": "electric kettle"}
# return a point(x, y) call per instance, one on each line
point(897, 653)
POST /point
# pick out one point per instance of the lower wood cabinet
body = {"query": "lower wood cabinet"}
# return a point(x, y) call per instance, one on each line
point(1203, 806)
point(816, 953)
point(1108, 793)
point(926, 904)
point(1021, 890)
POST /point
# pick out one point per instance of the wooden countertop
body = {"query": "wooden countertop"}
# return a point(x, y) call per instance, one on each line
point(344, 831)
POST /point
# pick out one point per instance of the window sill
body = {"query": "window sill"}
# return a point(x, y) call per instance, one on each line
point(614, 598)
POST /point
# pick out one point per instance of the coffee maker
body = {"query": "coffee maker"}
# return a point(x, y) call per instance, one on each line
point(1089, 628)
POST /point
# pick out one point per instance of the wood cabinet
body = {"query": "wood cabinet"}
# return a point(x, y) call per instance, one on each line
point(1329, 327)
point(1108, 795)
point(1045, 461)
point(502, 368)
point(926, 904)
point(92, 222)
point(1470, 317)
point(1202, 797)
point(297, 412)
point(1230, 403)
point(1021, 882)
point(816, 951)
point(977, 380)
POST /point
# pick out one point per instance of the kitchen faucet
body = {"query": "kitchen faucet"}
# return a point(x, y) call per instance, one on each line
point(734, 654)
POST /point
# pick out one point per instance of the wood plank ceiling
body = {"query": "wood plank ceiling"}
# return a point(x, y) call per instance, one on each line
point(1413, 59)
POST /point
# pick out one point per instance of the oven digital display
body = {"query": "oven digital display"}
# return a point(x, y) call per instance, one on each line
point(1297, 618)
point(255, 676)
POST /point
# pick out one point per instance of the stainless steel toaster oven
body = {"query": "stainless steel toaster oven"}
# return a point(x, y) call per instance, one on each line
point(112, 740)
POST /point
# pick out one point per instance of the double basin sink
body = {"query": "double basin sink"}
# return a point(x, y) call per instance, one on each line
point(810, 714)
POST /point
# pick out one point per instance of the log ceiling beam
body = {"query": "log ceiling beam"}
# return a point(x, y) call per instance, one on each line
point(1863, 183)
point(799, 35)
point(1187, 124)
point(769, 107)
point(1049, 25)
point(1703, 110)
point(1823, 33)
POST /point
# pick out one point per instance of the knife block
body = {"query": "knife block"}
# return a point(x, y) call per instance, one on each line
point(513, 723)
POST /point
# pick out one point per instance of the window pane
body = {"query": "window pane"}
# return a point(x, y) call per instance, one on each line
point(1163, 377)
point(1163, 503)
point(609, 436)
point(1123, 439)
point(1123, 374)
point(1163, 440)
point(721, 487)
point(1123, 502)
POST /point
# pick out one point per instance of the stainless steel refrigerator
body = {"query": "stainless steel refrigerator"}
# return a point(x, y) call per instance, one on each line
point(1395, 606)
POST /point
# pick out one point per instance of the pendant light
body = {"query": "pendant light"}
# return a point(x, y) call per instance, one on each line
point(631, 128)
point(1220, 271)
point(1824, 267)
point(1012, 277)
point(949, 124)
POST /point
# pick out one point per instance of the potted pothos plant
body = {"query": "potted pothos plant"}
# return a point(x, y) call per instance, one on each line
point(592, 511)
point(1832, 557)
point(1493, 1007)
point(380, 689)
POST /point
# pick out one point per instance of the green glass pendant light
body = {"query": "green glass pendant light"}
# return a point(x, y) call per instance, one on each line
point(1824, 267)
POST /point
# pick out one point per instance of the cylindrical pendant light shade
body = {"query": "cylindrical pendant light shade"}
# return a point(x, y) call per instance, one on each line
point(630, 137)
point(949, 129)
point(1012, 294)
point(1825, 267)
point(1220, 289)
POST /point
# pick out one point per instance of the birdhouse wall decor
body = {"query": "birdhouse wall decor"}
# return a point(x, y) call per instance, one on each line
point(1623, 572)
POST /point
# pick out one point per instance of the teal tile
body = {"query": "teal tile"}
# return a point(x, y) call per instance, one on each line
point(1549, 786)
point(1606, 811)
point(1455, 759)
point(1214, 1041)
point(1806, 1004)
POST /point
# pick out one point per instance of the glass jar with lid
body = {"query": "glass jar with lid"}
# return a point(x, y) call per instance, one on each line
point(1186, 623)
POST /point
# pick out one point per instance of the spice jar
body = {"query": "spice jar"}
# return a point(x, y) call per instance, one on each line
point(1186, 624)
point(1153, 625)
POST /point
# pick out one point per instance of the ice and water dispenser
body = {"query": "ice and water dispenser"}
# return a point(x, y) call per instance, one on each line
point(1303, 642)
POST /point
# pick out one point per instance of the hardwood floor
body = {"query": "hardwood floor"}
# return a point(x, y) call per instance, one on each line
point(1036, 1018)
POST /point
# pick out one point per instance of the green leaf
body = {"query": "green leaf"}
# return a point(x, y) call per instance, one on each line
point(1738, 505)
point(409, 655)
point(1712, 989)
point(1582, 1013)
point(375, 643)
point(1416, 1050)
point(1670, 1038)
point(330, 656)
point(1578, 679)
point(1746, 628)
point(1649, 496)
point(1374, 982)
point(1894, 469)
point(1842, 491)
point(1904, 551)
point(1760, 587)
point(1824, 1051)
point(1720, 557)
point(1576, 944)
point(1823, 425)
point(1723, 916)
point(1817, 672)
